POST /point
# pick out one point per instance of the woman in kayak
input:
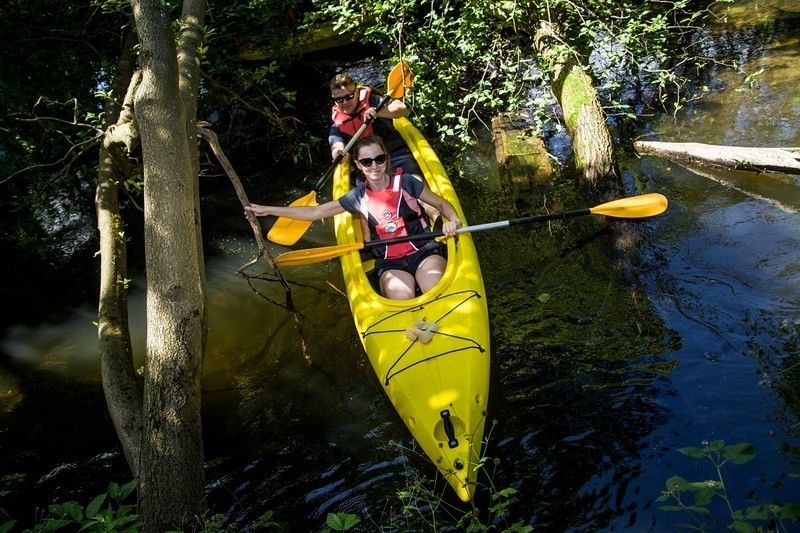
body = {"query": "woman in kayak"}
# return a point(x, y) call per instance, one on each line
point(389, 207)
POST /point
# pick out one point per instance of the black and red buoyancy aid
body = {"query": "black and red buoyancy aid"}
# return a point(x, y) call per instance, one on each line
point(397, 214)
point(349, 124)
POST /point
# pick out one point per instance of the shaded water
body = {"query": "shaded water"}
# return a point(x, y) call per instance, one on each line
point(597, 380)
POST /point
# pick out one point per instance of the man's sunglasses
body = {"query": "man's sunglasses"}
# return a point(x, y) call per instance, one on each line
point(343, 99)
point(367, 161)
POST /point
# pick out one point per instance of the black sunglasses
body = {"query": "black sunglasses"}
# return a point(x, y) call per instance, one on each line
point(367, 161)
point(342, 99)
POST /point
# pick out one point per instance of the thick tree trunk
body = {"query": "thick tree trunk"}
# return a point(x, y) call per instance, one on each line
point(120, 385)
point(189, 39)
point(757, 159)
point(583, 115)
point(171, 486)
point(591, 141)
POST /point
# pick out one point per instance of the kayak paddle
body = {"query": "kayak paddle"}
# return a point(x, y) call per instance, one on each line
point(640, 206)
point(287, 231)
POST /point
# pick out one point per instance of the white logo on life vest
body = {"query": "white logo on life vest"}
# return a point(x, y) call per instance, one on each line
point(391, 227)
point(386, 215)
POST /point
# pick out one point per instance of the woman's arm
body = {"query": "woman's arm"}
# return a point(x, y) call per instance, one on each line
point(303, 212)
point(444, 207)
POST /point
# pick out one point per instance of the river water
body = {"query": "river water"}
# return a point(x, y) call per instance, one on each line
point(598, 378)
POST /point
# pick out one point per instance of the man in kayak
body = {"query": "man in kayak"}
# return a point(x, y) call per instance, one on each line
point(388, 203)
point(353, 105)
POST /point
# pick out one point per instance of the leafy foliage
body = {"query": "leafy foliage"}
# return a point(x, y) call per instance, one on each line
point(106, 512)
point(703, 493)
point(476, 58)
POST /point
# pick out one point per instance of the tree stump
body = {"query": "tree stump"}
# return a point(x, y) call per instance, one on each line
point(524, 162)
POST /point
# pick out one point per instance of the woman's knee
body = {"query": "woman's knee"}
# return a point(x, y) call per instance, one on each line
point(398, 285)
point(430, 271)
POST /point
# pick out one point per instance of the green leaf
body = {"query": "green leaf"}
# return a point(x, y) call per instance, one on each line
point(704, 485)
point(127, 489)
point(740, 453)
point(677, 484)
point(703, 496)
point(342, 521)
point(790, 511)
point(74, 511)
point(757, 512)
point(7, 526)
point(52, 525)
point(695, 453)
point(94, 505)
point(113, 488)
point(742, 526)
point(505, 493)
point(698, 509)
point(671, 508)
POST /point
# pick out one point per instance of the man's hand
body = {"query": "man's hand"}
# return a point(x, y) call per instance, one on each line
point(370, 114)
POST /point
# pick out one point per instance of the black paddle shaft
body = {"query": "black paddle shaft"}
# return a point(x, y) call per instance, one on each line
point(349, 145)
point(481, 227)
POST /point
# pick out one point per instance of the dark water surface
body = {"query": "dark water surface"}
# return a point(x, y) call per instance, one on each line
point(598, 378)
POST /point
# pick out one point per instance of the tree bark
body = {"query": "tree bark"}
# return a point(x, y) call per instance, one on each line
point(171, 483)
point(756, 159)
point(583, 115)
point(120, 386)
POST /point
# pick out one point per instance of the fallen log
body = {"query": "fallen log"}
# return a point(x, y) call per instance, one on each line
point(755, 159)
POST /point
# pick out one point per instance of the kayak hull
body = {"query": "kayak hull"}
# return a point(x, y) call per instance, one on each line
point(431, 353)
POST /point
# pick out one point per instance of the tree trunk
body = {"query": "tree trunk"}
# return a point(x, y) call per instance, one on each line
point(584, 118)
point(120, 386)
point(756, 159)
point(171, 486)
point(189, 39)
point(591, 141)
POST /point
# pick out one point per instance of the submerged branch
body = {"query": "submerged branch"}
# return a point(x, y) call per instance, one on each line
point(211, 138)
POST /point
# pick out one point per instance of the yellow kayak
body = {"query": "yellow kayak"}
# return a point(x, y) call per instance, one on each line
point(431, 353)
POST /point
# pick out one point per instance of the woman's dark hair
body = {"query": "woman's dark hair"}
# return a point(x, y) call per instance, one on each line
point(368, 141)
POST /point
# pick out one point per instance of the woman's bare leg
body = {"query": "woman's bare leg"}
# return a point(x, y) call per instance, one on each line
point(430, 271)
point(398, 285)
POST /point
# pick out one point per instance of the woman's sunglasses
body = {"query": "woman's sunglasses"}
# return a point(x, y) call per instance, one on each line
point(367, 161)
point(343, 99)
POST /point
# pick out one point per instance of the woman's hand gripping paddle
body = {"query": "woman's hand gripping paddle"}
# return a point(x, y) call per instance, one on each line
point(287, 231)
point(641, 206)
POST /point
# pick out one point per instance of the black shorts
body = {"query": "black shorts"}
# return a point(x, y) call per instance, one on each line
point(410, 262)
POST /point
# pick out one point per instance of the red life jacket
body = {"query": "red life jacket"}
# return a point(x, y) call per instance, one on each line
point(384, 206)
point(349, 124)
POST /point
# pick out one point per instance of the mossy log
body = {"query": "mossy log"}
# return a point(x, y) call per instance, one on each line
point(584, 118)
point(756, 159)
point(524, 162)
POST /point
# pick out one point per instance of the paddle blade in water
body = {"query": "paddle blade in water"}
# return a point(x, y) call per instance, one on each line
point(640, 206)
point(315, 255)
point(287, 231)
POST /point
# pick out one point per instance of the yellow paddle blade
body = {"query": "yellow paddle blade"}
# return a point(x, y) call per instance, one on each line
point(287, 231)
point(640, 206)
point(399, 80)
point(315, 255)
